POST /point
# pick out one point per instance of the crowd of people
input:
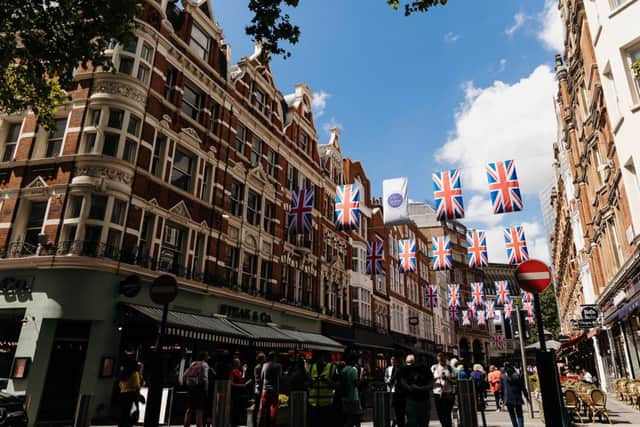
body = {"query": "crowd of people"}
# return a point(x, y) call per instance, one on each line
point(334, 391)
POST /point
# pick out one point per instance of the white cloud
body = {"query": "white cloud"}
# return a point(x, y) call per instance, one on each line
point(551, 32)
point(451, 37)
point(536, 242)
point(478, 209)
point(333, 123)
point(518, 22)
point(503, 65)
point(319, 102)
point(505, 121)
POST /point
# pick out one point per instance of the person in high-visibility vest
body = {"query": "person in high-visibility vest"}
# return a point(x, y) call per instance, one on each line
point(322, 375)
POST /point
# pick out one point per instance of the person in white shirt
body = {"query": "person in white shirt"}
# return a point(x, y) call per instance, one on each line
point(397, 396)
point(586, 376)
point(443, 381)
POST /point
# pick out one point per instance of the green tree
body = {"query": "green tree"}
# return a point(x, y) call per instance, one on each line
point(636, 69)
point(549, 306)
point(43, 41)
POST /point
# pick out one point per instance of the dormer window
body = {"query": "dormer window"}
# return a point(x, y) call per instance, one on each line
point(261, 100)
point(200, 42)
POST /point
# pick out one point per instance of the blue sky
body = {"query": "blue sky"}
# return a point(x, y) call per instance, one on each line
point(455, 87)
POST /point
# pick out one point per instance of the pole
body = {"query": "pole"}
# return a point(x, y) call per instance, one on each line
point(523, 358)
point(538, 310)
point(152, 411)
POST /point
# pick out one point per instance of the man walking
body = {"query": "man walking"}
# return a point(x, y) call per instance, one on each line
point(416, 380)
point(322, 375)
point(444, 380)
point(391, 375)
point(270, 386)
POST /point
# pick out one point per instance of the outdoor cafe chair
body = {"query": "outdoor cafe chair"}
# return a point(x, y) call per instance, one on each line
point(598, 405)
point(572, 404)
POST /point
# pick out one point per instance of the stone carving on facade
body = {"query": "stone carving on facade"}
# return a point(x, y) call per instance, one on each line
point(38, 182)
point(181, 210)
point(191, 133)
point(118, 88)
point(105, 172)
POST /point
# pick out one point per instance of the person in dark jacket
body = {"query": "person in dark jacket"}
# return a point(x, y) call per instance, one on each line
point(416, 381)
point(512, 386)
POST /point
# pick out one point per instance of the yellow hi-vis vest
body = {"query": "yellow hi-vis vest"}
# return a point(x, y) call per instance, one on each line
point(321, 391)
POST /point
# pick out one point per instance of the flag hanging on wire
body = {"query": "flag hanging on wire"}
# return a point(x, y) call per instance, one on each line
point(531, 320)
point(447, 194)
point(431, 295)
point(502, 292)
point(442, 256)
point(375, 257)
point(347, 210)
point(508, 308)
point(516, 244)
point(528, 307)
point(453, 313)
point(526, 296)
point(466, 319)
point(504, 187)
point(477, 254)
point(497, 317)
point(395, 201)
point(490, 309)
point(477, 293)
point(453, 295)
point(481, 316)
point(407, 255)
point(301, 213)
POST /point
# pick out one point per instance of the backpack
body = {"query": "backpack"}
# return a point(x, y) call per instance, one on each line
point(194, 375)
point(479, 381)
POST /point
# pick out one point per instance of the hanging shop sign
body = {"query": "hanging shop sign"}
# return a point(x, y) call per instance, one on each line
point(590, 312)
point(245, 314)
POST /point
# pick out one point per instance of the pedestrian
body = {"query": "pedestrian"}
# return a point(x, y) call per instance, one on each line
point(444, 380)
point(298, 379)
point(196, 379)
point(238, 394)
point(416, 380)
point(494, 384)
point(350, 395)
point(586, 376)
point(129, 385)
point(512, 386)
point(480, 384)
point(398, 400)
point(461, 373)
point(270, 386)
point(257, 388)
point(322, 377)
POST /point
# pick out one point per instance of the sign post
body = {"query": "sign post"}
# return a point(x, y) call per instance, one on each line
point(163, 290)
point(535, 276)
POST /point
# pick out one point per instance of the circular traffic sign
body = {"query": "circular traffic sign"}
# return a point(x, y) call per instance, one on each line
point(163, 290)
point(533, 276)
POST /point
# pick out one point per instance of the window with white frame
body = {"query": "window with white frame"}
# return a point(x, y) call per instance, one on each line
point(272, 164)
point(192, 101)
point(261, 101)
point(159, 155)
point(269, 224)
point(35, 221)
point(56, 137)
point(182, 169)
point(241, 139)
point(207, 175)
point(615, 241)
point(362, 304)
point(617, 3)
point(174, 244)
point(633, 56)
point(254, 206)
point(200, 42)
point(11, 142)
point(135, 59)
point(381, 283)
point(236, 198)
point(256, 151)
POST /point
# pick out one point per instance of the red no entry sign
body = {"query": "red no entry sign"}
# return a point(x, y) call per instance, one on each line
point(534, 276)
point(163, 290)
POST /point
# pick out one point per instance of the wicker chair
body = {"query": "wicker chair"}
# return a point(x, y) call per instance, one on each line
point(598, 404)
point(572, 403)
point(617, 387)
point(627, 392)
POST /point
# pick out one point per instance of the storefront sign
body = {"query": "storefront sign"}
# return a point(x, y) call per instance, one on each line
point(590, 313)
point(245, 314)
point(13, 287)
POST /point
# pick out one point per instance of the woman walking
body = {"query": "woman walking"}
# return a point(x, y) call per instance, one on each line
point(512, 386)
point(129, 386)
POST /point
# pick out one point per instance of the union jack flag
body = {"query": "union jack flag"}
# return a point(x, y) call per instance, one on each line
point(375, 257)
point(466, 319)
point(447, 194)
point(531, 320)
point(481, 316)
point(503, 296)
point(453, 313)
point(516, 244)
point(477, 254)
point(508, 308)
point(431, 295)
point(504, 187)
point(453, 296)
point(526, 296)
point(471, 308)
point(490, 309)
point(528, 307)
point(477, 293)
point(407, 255)
point(442, 257)
point(498, 341)
point(347, 213)
point(301, 214)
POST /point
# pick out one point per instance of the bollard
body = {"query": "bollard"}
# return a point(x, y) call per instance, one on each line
point(381, 409)
point(298, 408)
point(467, 403)
point(82, 417)
point(221, 403)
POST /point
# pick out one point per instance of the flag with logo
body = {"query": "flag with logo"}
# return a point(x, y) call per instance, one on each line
point(301, 212)
point(477, 253)
point(516, 244)
point(347, 210)
point(497, 317)
point(504, 187)
point(375, 257)
point(395, 206)
point(447, 195)
point(407, 255)
point(442, 255)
